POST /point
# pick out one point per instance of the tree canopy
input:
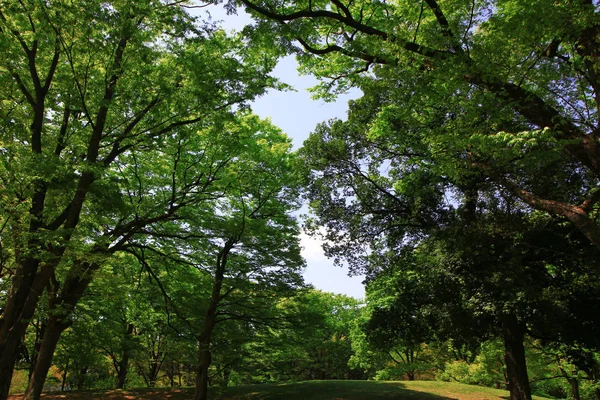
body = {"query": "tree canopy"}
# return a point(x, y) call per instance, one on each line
point(143, 202)
point(519, 81)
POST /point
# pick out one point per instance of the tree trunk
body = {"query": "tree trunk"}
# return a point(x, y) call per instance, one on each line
point(172, 374)
point(8, 355)
point(155, 365)
point(123, 369)
point(123, 366)
point(179, 374)
point(43, 362)
point(204, 360)
point(27, 287)
point(75, 284)
point(40, 329)
point(204, 356)
point(516, 367)
point(81, 378)
point(64, 377)
point(573, 383)
point(226, 374)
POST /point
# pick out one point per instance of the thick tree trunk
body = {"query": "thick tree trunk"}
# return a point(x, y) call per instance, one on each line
point(573, 383)
point(73, 289)
point(204, 356)
point(123, 365)
point(123, 369)
point(8, 356)
point(10, 342)
point(204, 360)
point(27, 286)
point(516, 367)
point(44, 358)
point(81, 378)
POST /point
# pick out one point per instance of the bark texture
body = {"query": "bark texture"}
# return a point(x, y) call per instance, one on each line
point(518, 381)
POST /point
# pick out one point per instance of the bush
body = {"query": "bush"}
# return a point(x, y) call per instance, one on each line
point(18, 384)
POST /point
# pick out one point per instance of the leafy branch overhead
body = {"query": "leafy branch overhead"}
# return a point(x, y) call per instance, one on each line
point(487, 61)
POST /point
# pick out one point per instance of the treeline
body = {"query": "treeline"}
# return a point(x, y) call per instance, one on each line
point(131, 339)
point(124, 335)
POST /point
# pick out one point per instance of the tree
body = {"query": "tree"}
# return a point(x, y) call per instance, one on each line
point(309, 338)
point(254, 239)
point(89, 160)
point(415, 309)
point(503, 61)
point(380, 200)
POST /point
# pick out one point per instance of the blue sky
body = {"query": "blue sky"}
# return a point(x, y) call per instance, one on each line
point(297, 114)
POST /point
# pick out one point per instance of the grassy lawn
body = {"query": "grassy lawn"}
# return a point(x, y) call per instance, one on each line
point(313, 390)
point(365, 390)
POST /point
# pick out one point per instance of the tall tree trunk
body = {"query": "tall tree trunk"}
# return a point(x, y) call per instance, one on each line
point(32, 276)
point(172, 374)
point(123, 365)
point(516, 367)
point(204, 356)
point(40, 329)
point(43, 362)
point(573, 383)
point(27, 287)
point(204, 360)
point(76, 282)
point(64, 377)
point(81, 378)
point(179, 374)
point(123, 369)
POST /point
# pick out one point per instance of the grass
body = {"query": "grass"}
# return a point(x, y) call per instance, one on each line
point(365, 390)
point(310, 390)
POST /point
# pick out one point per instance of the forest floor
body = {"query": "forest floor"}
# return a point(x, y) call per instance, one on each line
point(310, 390)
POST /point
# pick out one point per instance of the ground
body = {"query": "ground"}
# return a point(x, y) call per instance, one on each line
point(313, 390)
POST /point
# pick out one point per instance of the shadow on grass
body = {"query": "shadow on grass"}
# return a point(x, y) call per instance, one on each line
point(311, 390)
point(329, 390)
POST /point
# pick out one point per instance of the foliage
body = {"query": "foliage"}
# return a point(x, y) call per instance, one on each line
point(487, 369)
point(401, 191)
point(311, 340)
point(93, 166)
point(503, 93)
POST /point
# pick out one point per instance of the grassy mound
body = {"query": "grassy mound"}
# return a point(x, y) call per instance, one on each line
point(310, 390)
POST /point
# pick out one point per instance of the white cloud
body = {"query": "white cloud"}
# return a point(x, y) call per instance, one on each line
point(321, 272)
point(312, 249)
